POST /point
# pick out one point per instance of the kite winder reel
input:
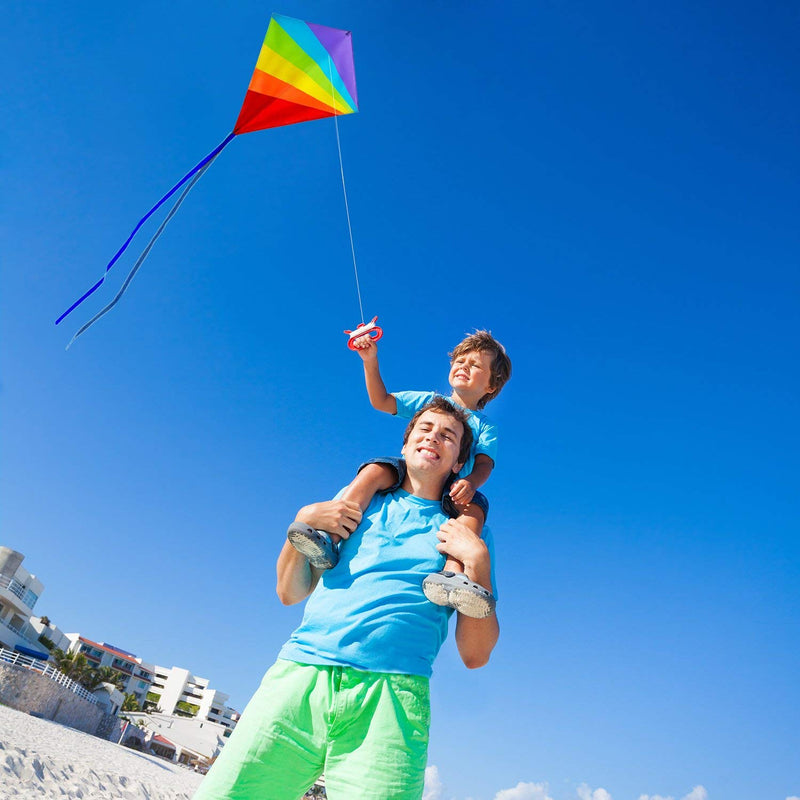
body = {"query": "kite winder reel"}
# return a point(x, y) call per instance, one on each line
point(370, 329)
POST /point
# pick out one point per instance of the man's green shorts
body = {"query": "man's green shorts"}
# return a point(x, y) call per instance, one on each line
point(367, 731)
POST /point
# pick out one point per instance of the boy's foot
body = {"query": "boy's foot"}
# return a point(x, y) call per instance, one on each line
point(456, 590)
point(315, 545)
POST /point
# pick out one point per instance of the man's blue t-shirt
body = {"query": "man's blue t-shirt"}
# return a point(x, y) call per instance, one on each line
point(484, 431)
point(369, 611)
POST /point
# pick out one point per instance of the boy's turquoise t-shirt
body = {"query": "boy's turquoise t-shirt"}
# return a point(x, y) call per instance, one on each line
point(484, 431)
point(369, 612)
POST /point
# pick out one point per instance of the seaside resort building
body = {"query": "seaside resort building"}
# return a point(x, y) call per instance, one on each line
point(170, 690)
point(167, 690)
point(19, 592)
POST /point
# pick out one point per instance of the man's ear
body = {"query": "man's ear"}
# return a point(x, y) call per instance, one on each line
point(457, 468)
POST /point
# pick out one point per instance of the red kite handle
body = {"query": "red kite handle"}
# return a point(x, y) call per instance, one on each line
point(370, 329)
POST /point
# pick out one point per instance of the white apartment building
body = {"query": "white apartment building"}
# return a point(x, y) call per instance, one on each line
point(136, 674)
point(176, 690)
point(172, 690)
point(19, 592)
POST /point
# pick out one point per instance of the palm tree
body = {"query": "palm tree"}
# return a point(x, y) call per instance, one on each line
point(130, 703)
point(103, 675)
point(73, 665)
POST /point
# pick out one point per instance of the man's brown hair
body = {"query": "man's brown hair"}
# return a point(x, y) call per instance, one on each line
point(484, 342)
point(441, 405)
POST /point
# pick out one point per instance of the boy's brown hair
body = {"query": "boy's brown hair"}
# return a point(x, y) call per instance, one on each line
point(441, 405)
point(484, 342)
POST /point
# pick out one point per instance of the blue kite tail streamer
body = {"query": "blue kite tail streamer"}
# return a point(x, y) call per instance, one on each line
point(145, 253)
point(210, 157)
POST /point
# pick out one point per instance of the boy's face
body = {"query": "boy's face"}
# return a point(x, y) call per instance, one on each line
point(434, 443)
point(472, 372)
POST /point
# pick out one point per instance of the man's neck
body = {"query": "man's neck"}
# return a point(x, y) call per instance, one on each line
point(425, 486)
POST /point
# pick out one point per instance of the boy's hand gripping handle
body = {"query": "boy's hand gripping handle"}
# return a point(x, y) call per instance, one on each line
point(370, 329)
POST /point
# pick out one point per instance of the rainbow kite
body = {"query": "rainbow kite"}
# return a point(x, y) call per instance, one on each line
point(304, 72)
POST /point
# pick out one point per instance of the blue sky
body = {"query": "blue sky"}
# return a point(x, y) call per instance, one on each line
point(611, 189)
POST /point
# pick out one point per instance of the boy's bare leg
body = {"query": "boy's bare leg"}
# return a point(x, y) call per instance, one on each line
point(373, 478)
point(451, 587)
point(473, 518)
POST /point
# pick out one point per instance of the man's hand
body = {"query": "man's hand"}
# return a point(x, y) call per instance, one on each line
point(475, 638)
point(332, 516)
point(296, 577)
point(459, 542)
point(462, 491)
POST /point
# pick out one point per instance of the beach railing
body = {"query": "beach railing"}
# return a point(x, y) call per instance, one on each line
point(48, 670)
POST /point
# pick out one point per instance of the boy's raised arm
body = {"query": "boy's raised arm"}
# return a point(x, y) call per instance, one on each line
point(376, 390)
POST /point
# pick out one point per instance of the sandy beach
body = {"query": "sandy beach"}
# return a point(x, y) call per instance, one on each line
point(43, 759)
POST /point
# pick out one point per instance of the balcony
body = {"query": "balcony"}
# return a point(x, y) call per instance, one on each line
point(24, 594)
point(21, 629)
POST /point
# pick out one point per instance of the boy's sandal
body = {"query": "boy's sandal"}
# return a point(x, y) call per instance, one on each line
point(315, 545)
point(456, 590)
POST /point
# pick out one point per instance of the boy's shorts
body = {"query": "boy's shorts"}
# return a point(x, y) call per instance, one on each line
point(367, 731)
point(399, 465)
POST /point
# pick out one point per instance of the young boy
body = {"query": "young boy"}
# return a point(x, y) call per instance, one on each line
point(479, 368)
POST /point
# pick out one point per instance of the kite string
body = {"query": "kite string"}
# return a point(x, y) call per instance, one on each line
point(344, 190)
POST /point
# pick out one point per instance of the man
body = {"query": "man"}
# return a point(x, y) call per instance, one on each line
point(349, 692)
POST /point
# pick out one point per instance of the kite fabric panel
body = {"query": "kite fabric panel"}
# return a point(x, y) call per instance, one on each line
point(304, 72)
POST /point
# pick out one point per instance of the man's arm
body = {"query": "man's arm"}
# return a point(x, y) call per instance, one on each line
point(296, 577)
point(475, 638)
point(376, 389)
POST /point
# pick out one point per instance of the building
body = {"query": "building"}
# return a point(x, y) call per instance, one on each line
point(186, 741)
point(177, 691)
point(136, 674)
point(19, 592)
point(171, 690)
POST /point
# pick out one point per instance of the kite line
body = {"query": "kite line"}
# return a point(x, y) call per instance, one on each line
point(344, 191)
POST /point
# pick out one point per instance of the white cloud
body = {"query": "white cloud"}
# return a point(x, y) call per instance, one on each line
point(525, 791)
point(585, 793)
point(698, 793)
point(433, 784)
point(793, 797)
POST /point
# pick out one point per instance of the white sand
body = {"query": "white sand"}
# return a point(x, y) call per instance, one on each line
point(42, 759)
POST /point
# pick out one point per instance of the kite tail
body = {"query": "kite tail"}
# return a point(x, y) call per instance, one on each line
point(200, 167)
point(145, 252)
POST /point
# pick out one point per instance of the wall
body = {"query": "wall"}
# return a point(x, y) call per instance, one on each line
point(31, 692)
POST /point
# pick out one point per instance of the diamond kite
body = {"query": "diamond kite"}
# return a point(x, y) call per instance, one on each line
point(304, 72)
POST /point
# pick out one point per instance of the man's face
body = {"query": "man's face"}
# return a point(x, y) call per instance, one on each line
point(433, 444)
